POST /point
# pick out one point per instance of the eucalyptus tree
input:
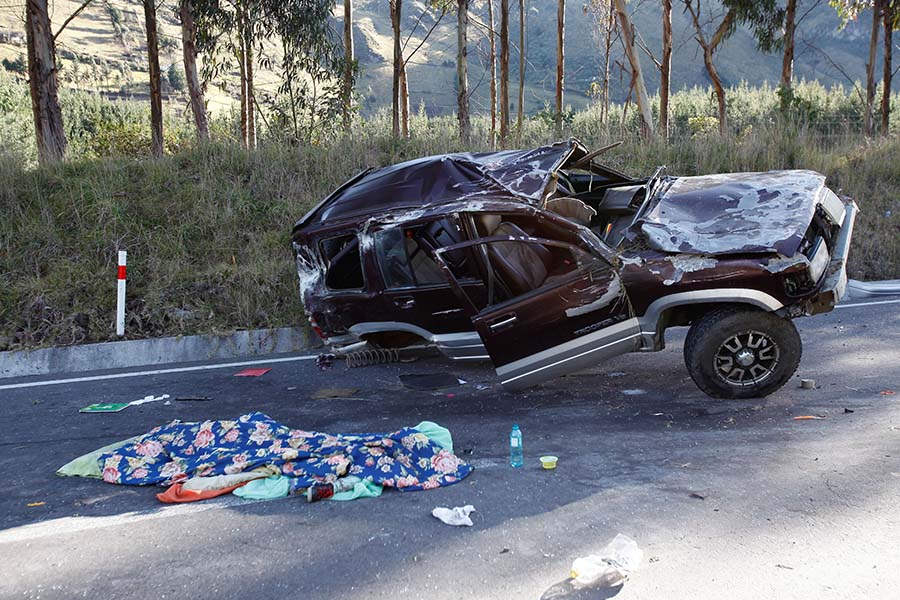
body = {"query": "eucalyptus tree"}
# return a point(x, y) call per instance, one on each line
point(763, 17)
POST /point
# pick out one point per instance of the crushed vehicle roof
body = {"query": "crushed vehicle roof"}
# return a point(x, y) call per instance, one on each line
point(733, 213)
point(521, 174)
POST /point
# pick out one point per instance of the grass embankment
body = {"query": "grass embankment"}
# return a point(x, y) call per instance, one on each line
point(207, 229)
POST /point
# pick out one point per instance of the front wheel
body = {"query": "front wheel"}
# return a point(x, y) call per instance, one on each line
point(741, 353)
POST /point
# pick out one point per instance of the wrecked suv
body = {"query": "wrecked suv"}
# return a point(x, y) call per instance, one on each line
point(546, 262)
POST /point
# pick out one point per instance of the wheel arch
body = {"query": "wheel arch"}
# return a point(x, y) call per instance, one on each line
point(683, 308)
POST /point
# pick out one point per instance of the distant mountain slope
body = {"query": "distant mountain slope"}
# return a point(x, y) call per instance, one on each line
point(104, 49)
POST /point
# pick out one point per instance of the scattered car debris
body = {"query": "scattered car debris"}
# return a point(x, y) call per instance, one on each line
point(808, 384)
point(329, 393)
point(634, 392)
point(34, 504)
point(149, 399)
point(429, 381)
point(457, 516)
point(611, 566)
point(252, 372)
point(809, 417)
point(547, 262)
point(887, 392)
point(192, 399)
point(105, 407)
point(110, 407)
point(848, 411)
point(696, 495)
point(325, 361)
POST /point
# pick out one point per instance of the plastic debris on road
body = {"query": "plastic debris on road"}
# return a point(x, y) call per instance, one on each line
point(110, 407)
point(808, 418)
point(609, 567)
point(457, 516)
point(252, 372)
point(327, 393)
point(429, 381)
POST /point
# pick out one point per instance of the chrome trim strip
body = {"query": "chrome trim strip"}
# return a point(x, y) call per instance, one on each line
point(572, 345)
point(567, 359)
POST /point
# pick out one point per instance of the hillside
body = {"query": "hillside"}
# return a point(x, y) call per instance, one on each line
point(103, 49)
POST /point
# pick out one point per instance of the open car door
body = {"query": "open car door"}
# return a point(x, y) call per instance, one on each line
point(556, 308)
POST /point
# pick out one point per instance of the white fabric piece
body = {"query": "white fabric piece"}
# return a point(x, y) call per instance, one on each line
point(457, 516)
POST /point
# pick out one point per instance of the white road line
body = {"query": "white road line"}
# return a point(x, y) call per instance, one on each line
point(245, 363)
point(66, 525)
point(867, 303)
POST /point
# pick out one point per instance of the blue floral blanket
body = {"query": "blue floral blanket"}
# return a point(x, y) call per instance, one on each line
point(406, 459)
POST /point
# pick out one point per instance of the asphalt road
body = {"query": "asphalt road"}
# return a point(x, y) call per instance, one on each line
point(727, 499)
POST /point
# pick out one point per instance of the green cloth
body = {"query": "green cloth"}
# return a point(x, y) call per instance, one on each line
point(437, 434)
point(88, 465)
point(267, 488)
point(362, 488)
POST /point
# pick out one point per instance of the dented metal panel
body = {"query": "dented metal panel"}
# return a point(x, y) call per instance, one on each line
point(435, 180)
point(734, 213)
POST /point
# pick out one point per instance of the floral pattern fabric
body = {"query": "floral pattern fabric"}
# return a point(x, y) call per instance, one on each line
point(406, 459)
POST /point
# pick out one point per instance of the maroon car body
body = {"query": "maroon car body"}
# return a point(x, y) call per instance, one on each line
point(546, 262)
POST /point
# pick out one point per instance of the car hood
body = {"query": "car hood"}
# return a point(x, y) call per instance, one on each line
point(733, 213)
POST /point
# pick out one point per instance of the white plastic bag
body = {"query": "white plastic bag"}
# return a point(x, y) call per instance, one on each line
point(458, 515)
point(611, 566)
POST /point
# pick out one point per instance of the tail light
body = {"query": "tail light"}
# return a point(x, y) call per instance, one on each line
point(316, 328)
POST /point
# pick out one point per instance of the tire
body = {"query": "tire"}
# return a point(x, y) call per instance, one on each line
point(741, 352)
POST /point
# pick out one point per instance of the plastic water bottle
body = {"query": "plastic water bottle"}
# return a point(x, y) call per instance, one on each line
point(516, 457)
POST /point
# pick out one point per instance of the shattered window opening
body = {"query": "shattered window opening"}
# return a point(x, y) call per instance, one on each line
point(343, 270)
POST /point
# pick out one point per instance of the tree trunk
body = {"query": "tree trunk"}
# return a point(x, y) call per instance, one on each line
point(462, 78)
point(665, 69)
point(347, 90)
point(504, 71)
point(189, 51)
point(156, 119)
point(720, 89)
point(610, 27)
point(396, 7)
point(787, 63)
point(48, 125)
point(242, 69)
point(521, 112)
point(404, 102)
point(869, 122)
point(643, 100)
point(493, 63)
point(560, 61)
point(888, 10)
point(251, 95)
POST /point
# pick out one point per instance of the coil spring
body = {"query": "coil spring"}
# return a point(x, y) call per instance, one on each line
point(375, 356)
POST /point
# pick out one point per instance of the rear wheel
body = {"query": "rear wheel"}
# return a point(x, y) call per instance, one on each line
point(741, 353)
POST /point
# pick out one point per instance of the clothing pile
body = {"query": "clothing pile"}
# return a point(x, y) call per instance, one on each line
point(255, 456)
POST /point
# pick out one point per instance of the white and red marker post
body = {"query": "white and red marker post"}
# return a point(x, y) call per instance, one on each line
point(120, 302)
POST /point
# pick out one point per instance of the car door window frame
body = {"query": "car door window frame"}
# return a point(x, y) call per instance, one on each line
point(577, 252)
point(402, 227)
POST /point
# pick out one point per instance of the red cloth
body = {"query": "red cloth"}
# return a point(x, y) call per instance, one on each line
point(176, 494)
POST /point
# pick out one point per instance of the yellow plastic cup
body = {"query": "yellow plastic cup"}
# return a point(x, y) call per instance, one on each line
point(549, 462)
